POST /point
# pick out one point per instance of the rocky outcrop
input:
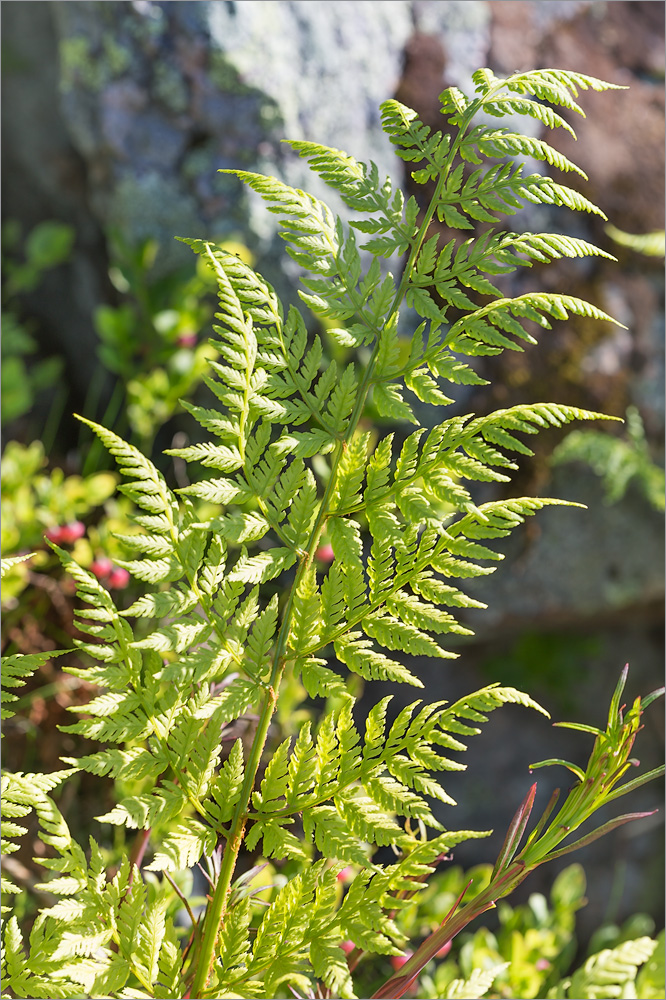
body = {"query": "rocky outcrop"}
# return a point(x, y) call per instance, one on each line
point(134, 107)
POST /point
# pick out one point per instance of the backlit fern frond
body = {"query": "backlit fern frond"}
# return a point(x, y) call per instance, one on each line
point(618, 462)
point(17, 668)
point(310, 548)
point(611, 972)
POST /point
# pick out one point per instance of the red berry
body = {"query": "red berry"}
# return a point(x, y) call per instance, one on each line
point(325, 553)
point(54, 534)
point(70, 532)
point(101, 567)
point(397, 961)
point(347, 946)
point(346, 875)
point(118, 579)
point(186, 340)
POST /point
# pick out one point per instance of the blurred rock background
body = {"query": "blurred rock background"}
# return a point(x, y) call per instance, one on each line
point(117, 117)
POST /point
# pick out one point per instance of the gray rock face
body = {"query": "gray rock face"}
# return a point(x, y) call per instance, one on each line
point(120, 115)
point(158, 97)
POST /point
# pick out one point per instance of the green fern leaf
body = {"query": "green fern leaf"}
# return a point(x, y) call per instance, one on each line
point(7, 563)
point(139, 812)
point(260, 640)
point(275, 782)
point(306, 615)
point(266, 566)
point(148, 490)
point(183, 847)
point(234, 701)
point(473, 708)
point(476, 986)
point(358, 654)
point(162, 604)
point(332, 835)
point(423, 615)
point(318, 679)
point(133, 763)
point(607, 973)
point(651, 978)
point(17, 668)
point(395, 634)
point(175, 638)
point(218, 491)
point(369, 822)
point(226, 786)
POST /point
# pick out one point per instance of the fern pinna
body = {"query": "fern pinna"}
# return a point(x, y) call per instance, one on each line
point(238, 606)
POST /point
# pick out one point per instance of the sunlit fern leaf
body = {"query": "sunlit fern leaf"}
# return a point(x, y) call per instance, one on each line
point(241, 588)
point(472, 708)
point(17, 668)
point(477, 985)
point(618, 462)
point(183, 847)
point(148, 488)
point(362, 659)
point(9, 562)
point(226, 786)
point(307, 615)
point(21, 975)
point(611, 970)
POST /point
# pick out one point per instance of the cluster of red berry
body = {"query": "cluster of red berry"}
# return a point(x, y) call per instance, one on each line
point(66, 534)
point(115, 577)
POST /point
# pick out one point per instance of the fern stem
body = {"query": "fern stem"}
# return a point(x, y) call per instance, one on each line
point(218, 904)
point(216, 909)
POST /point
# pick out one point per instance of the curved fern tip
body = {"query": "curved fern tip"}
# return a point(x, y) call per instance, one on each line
point(85, 420)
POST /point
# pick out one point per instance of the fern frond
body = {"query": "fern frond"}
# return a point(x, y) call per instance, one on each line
point(472, 708)
point(360, 188)
point(498, 428)
point(413, 140)
point(140, 812)
point(481, 331)
point(16, 668)
point(48, 980)
point(609, 972)
point(362, 659)
point(499, 143)
point(308, 224)
point(247, 594)
point(616, 461)
point(7, 563)
point(183, 847)
point(148, 488)
point(556, 86)
point(476, 986)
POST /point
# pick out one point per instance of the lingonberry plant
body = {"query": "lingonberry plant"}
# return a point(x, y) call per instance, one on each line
point(318, 545)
